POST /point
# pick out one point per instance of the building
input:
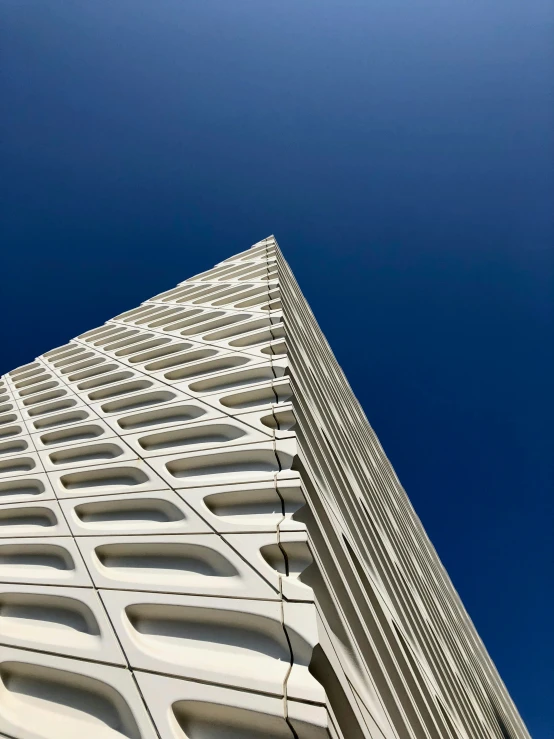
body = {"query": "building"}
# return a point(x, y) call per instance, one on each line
point(202, 537)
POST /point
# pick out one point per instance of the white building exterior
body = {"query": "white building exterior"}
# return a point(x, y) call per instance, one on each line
point(201, 537)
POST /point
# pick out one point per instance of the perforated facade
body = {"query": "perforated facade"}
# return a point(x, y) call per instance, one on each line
point(201, 538)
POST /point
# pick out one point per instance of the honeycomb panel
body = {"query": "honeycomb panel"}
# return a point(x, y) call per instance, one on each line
point(201, 538)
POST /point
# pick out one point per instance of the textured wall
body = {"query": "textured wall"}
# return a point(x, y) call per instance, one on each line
point(201, 537)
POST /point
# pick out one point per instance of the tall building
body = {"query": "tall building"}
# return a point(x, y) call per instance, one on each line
point(202, 538)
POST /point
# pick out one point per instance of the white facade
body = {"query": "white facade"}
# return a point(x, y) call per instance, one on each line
point(201, 538)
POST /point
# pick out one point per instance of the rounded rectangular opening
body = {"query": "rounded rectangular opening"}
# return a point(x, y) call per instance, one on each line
point(204, 368)
point(17, 489)
point(43, 397)
point(111, 477)
point(237, 462)
point(89, 453)
point(170, 415)
point(61, 420)
point(13, 447)
point(17, 464)
point(129, 514)
point(105, 380)
point(208, 434)
point(121, 389)
point(166, 561)
point(51, 703)
point(80, 433)
point(52, 407)
point(138, 401)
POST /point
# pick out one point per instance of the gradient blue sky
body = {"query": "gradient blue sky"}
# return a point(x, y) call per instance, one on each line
point(401, 152)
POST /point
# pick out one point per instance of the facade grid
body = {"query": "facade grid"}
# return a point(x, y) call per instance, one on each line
point(202, 538)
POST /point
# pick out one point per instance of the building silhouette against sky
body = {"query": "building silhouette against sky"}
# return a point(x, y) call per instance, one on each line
point(202, 537)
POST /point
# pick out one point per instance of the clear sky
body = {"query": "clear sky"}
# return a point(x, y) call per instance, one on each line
point(401, 151)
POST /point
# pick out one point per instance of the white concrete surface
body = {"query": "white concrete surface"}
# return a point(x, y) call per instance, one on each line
point(201, 538)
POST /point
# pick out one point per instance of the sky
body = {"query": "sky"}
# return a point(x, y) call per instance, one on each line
point(401, 151)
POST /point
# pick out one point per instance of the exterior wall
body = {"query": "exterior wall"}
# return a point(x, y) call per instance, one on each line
point(202, 538)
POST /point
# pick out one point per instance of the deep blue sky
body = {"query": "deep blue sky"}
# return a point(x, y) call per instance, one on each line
point(402, 154)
